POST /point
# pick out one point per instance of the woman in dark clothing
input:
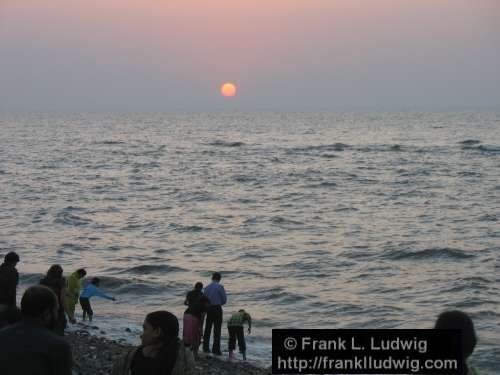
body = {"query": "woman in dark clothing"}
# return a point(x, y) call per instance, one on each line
point(193, 317)
point(55, 281)
point(160, 348)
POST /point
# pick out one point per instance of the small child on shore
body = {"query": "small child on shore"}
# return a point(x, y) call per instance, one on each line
point(90, 290)
point(236, 332)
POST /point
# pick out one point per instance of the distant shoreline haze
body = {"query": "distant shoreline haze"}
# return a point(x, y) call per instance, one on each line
point(124, 55)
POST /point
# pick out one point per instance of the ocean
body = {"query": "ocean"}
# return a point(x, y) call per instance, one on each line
point(315, 220)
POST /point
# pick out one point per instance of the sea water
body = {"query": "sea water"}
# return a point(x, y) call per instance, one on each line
point(315, 220)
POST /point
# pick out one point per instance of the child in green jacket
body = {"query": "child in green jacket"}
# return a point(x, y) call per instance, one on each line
point(236, 332)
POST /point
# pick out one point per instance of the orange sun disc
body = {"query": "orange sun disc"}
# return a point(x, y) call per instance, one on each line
point(228, 89)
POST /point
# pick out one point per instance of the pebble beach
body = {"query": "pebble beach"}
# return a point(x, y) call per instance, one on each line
point(95, 355)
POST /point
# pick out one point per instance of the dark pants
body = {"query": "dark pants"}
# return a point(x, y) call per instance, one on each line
point(214, 317)
point(236, 333)
point(60, 323)
point(85, 304)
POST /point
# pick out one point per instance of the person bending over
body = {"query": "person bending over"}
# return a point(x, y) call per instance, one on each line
point(92, 290)
point(73, 289)
point(30, 346)
point(236, 332)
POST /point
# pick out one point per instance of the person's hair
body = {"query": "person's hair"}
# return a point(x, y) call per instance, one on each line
point(216, 276)
point(55, 272)
point(169, 327)
point(38, 299)
point(81, 272)
point(198, 286)
point(241, 310)
point(459, 320)
point(95, 281)
point(11, 257)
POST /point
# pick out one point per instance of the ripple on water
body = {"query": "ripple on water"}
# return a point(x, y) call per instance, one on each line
point(295, 244)
point(317, 150)
point(426, 254)
point(68, 216)
point(146, 269)
point(188, 228)
point(223, 143)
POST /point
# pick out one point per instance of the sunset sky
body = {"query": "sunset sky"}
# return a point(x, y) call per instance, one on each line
point(164, 55)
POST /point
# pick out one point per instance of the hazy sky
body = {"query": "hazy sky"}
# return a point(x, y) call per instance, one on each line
point(163, 55)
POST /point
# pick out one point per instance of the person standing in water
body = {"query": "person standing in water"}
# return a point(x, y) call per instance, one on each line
point(197, 304)
point(54, 280)
point(73, 289)
point(92, 290)
point(9, 278)
point(216, 293)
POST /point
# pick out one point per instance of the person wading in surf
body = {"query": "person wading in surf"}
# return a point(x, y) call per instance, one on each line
point(91, 290)
point(216, 293)
point(194, 315)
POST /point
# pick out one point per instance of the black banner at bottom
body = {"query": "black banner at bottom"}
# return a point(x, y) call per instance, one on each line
point(367, 351)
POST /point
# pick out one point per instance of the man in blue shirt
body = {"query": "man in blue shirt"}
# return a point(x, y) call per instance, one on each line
point(217, 295)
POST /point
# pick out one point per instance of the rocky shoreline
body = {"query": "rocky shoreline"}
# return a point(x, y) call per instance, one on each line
point(95, 356)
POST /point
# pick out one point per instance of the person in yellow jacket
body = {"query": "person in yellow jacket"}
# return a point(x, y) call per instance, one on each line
point(73, 289)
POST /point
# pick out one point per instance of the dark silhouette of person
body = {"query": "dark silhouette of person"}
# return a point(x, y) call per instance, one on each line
point(30, 346)
point(54, 280)
point(194, 315)
point(9, 278)
point(217, 295)
point(455, 319)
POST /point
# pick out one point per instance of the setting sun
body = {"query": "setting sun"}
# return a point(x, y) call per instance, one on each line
point(228, 89)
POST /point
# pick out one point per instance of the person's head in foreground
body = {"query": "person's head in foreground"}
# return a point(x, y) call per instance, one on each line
point(459, 320)
point(28, 347)
point(198, 286)
point(39, 305)
point(81, 272)
point(216, 276)
point(160, 340)
point(55, 272)
point(11, 258)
